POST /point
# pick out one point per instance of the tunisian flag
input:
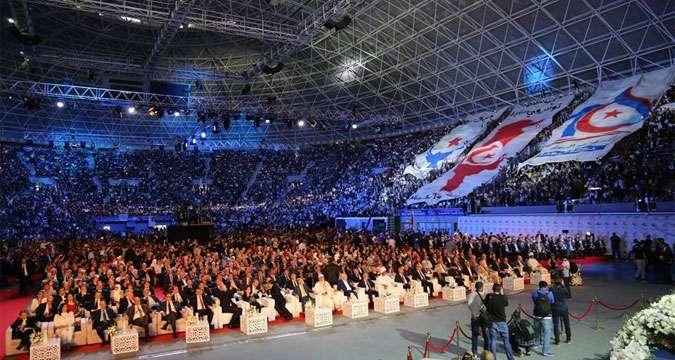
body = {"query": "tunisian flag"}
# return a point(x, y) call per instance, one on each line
point(482, 163)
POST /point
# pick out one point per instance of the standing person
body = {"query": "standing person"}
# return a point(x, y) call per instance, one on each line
point(496, 304)
point(566, 275)
point(543, 299)
point(616, 246)
point(476, 303)
point(640, 258)
point(24, 270)
point(560, 311)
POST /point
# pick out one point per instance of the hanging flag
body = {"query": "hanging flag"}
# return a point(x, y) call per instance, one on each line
point(452, 146)
point(616, 109)
point(482, 163)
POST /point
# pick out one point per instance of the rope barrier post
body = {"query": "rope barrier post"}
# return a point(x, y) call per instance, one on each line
point(597, 326)
point(426, 345)
point(459, 355)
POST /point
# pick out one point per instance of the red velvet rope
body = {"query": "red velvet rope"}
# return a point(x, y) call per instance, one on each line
point(585, 314)
point(445, 347)
point(619, 308)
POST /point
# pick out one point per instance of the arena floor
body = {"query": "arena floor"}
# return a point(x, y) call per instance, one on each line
point(387, 337)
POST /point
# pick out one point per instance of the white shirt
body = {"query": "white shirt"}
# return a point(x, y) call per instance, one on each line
point(139, 312)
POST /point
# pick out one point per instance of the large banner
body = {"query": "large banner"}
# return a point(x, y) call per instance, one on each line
point(616, 109)
point(451, 146)
point(482, 163)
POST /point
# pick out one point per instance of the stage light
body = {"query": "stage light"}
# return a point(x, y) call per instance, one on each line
point(131, 19)
point(131, 109)
point(60, 104)
point(11, 21)
point(181, 26)
point(176, 113)
point(194, 141)
point(267, 121)
point(355, 126)
point(301, 123)
point(203, 135)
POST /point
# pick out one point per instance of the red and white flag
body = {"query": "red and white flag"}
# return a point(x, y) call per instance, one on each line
point(483, 162)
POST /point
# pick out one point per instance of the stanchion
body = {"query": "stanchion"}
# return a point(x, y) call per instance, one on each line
point(457, 329)
point(597, 326)
point(426, 345)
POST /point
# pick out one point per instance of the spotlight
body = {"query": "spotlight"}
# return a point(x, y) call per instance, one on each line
point(156, 111)
point(181, 26)
point(131, 109)
point(267, 121)
point(11, 21)
point(203, 135)
point(194, 141)
point(176, 113)
point(60, 104)
point(355, 126)
point(301, 123)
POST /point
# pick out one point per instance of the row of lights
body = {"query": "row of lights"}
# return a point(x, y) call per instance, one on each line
point(132, 110)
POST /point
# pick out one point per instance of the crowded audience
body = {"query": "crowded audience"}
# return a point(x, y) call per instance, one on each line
point(102, 278)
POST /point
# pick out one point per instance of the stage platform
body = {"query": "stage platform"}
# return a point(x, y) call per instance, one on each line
point(386, 337)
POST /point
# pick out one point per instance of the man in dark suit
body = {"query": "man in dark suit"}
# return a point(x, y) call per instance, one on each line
point(126, 302)
point(402, 278)
point(170, 312)
point(23, 327)
point(168, 279)
point(139, 315)
point(332, 272)
point(419, 275)
point(25, 282)
point(225, 293)
point(200, 304)
point(300, 289)
point(83, 297)
point(560, 310)
point(369, 285)
point(102, 318)
point(344, 286)
point(45, 312)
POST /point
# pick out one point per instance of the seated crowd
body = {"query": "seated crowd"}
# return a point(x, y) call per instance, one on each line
point(95, 282)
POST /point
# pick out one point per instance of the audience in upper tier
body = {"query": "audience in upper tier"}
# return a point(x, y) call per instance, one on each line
point(50, 192)
point(101, 278)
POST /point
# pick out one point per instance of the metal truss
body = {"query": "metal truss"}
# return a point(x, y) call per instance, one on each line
point(156, 13)
point(409, 65)
point(176, 19)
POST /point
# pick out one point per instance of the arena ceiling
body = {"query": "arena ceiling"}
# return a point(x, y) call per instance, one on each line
point(399, 65)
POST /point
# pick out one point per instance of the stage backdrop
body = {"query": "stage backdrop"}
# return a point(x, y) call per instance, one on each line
point(629, 226)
